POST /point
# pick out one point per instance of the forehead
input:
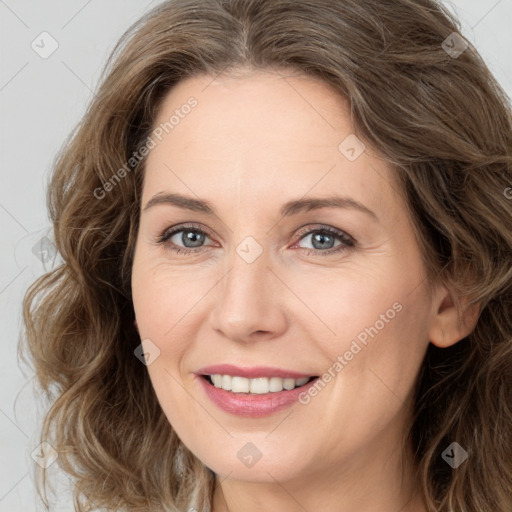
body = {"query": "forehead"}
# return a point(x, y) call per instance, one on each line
point(260, 134)
point(251, 110)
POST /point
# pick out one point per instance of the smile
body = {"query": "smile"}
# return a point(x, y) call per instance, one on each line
point(253, 392)
point(259, 386)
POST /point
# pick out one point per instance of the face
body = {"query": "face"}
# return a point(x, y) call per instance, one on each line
point(241, 261)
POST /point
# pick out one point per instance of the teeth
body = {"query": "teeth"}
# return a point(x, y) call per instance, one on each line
point(238, 384)
point(288, 383)
point(226, 382)
point(257, 386)
point(275, 384)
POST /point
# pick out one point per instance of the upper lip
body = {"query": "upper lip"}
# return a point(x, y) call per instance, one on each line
point(252, 372)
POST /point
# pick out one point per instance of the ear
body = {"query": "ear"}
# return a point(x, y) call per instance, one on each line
point(449, 325)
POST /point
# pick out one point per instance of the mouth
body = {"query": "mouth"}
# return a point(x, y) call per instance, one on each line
point(256, 386)
point(253, 392)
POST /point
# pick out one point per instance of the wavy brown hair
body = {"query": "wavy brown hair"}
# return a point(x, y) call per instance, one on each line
point(441, 121)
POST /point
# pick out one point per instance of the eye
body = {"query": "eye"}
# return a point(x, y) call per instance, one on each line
point(323, 240)
point(190, 239)
point(190, 236)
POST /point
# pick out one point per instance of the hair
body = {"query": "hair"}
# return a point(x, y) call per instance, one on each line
point(444, 125)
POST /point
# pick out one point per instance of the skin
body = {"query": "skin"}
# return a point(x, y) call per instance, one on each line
point(274, 135)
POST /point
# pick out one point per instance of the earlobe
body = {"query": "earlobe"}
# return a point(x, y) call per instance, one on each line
point(449, 325)
point(136, 326)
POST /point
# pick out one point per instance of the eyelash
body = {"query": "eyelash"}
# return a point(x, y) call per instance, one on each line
point(347, 241)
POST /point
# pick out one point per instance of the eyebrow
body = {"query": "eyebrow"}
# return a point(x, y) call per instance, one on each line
point(288, 209)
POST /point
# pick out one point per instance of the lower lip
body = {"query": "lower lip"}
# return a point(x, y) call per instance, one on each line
point(253, 405)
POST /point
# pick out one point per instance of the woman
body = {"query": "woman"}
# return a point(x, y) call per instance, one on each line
point(286, 279)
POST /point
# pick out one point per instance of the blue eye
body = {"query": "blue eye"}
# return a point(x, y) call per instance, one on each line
point(189, 235)
point(192, 239)
point(323, 240)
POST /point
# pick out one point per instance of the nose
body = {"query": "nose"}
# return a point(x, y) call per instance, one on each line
point(249, 302)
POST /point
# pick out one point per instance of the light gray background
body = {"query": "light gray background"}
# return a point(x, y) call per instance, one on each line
point(41, 100)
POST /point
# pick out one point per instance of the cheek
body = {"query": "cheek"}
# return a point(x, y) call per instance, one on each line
point(381, 355)
point(378, 337)
point(164, 300)
point(164, 303)
point(345, 303)
point(373, 371)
